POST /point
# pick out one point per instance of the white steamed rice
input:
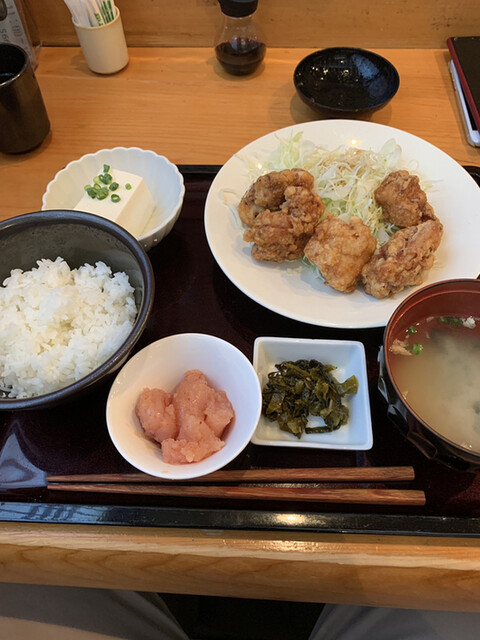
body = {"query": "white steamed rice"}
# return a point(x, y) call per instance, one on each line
point(59, 324)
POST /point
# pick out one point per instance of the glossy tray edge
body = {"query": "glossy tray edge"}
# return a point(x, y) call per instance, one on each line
point(259, 520)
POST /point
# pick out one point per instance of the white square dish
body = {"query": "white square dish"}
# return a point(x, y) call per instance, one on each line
point(348, 357)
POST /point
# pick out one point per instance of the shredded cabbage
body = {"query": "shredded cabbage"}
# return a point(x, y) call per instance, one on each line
point(345, 178)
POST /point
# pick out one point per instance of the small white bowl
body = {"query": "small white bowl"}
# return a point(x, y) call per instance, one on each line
point(163, 364)
point(163, 179)
point(349, 358)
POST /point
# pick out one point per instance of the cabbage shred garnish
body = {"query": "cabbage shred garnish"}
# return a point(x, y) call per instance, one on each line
point(345, 178)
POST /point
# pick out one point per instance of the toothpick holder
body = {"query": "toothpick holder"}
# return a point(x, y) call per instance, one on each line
point(104, 48)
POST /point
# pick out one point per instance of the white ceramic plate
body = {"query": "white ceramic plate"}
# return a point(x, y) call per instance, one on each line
point(292, 290)
point(349, 358)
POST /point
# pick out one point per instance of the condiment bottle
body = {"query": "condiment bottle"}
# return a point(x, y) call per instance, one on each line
point(239, 45)
point(17, 26)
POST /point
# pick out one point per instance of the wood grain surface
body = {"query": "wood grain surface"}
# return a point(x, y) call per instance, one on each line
point(180, 103)
point(269, 493)
point(304, 23)
point(325, 474)
point(367, 570)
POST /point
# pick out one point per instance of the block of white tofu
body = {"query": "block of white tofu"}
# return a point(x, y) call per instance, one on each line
point(132, 211)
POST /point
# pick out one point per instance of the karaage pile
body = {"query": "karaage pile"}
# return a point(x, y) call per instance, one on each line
point(284, 220)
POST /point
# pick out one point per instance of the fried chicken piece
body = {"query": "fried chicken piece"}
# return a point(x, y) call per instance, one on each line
point(429, 214)
point(403, 260)
point(268, 192)
point(275, 236)
point(403, 201)
point(282, 235)
point(340, 250)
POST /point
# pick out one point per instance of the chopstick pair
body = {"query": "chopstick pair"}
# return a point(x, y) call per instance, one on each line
point(143, 484)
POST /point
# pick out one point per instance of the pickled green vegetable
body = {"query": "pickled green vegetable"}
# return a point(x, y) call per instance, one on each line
point(297, 390)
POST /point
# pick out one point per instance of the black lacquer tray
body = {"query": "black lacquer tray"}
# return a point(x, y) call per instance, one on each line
point(193, 295)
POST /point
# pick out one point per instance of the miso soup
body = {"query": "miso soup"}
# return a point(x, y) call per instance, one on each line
point(438, 375)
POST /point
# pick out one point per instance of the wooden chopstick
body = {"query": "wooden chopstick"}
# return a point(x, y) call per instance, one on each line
point(332, 474)
point(294, 494)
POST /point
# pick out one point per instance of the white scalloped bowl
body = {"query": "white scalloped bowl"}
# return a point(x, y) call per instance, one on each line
point(162, 178)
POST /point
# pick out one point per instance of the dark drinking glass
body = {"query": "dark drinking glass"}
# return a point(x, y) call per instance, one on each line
point(24, 122)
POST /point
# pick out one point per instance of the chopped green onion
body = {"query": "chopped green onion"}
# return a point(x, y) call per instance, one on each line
point(106, 178)
point(102, 194)
point(412, 330)
point(417, 349)
point(451, 320)
point(128, 186)
point(99, 191)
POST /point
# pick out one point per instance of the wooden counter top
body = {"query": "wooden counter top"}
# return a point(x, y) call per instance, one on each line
point(367, 570)
point(178, 102)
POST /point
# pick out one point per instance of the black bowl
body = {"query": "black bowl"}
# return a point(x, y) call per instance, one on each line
point(345, 81)
point(78, 238)
point(445, 298)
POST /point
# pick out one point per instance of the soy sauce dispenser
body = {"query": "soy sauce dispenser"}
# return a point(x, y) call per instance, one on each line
point(239, 45)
